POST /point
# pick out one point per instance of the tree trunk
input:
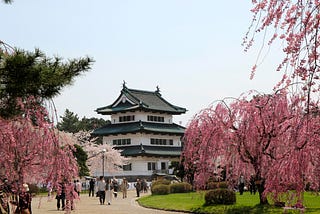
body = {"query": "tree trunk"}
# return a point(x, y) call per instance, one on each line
point(261, 188)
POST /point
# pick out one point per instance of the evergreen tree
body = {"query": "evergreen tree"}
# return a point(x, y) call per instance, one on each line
point(31, 74)
point(89, 124)
point(69, 122)
point(81, 157)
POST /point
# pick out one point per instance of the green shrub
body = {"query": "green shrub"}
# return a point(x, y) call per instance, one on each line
point(180, 187)
point(160, 189)
point(220, 196)
point(217, 185)
point(33, 188)
point(160, 181)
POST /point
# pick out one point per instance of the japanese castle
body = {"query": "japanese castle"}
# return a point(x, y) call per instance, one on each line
point(142, 128)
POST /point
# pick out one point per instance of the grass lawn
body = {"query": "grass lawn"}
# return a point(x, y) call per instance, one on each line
point(193, 202)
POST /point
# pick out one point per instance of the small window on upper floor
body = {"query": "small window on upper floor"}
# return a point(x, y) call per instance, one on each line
point(155, 141)
point(127, 167)
point(126, 118)
point(151, 166)
point(155, 118)
point(119, 142)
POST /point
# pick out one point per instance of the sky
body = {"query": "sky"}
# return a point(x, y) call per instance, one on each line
point(191, 49)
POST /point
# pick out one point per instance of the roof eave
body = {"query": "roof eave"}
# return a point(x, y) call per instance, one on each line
point(140, 131)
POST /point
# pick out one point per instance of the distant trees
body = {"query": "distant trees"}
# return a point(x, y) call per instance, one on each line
point(81, 157)
point(70, 122)
point(113, 161)
point(89, 149)
point(7, 1)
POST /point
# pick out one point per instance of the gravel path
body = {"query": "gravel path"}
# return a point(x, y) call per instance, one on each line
point(88, 205)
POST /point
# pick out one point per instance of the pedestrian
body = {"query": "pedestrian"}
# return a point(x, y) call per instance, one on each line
point(78, 187)
point(144, 186)
point(252, 185)
point(49, 188)
point(61, 197)
point(5, 192)
point(241, 184)
point(124, 187)
point(109, 191)
point(137, 185)
point(24, 201)
point(91, 187)
point(115, 187)
point(71, 194)
point(101, 190)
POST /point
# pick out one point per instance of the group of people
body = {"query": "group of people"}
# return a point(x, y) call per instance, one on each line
point(67, 192)
point(252, 184)
point(108, 189)
point(105, 189)
point(15, 198)
point(141, 186)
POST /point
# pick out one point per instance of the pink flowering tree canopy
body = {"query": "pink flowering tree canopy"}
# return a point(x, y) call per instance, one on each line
point(112, 159)
point(31, 149)
point(295, 24)
point(265, 136)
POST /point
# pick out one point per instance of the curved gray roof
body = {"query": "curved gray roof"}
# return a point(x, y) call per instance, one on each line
point(141, 100)
point(134, 127)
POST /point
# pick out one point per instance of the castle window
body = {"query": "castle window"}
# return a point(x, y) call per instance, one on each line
point(127, 167)
point(155, 141)
point(126, 118)
point(119, 142)
point(155, 118)
point(151, 166)
point(163, 165)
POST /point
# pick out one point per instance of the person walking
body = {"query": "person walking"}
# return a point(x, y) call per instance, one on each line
point(61, 197)
point(115, 187)
point(5, 192)
point(137, 185)
point(101, 190)
point(24, 202)
point(144, 185)
point(71, 195)
point(91, 187)
point(252, 185)
point(241, 184)
point(78, 187)
point(124, 187)
point(109, 191)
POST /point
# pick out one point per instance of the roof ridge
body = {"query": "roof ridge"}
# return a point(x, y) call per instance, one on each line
point(140, 90)
point(157, 93)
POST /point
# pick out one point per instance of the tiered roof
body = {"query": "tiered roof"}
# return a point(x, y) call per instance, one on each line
point(133, 99)
point(139, 127)
point(144, 150)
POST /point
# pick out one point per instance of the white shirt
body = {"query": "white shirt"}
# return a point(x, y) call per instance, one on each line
point(101, 185)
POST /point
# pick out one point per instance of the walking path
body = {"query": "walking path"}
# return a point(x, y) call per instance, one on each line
point(88, 205)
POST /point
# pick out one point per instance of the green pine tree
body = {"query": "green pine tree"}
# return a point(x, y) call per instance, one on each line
point(26, 74)
point(69, 122)
point(82, 157)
